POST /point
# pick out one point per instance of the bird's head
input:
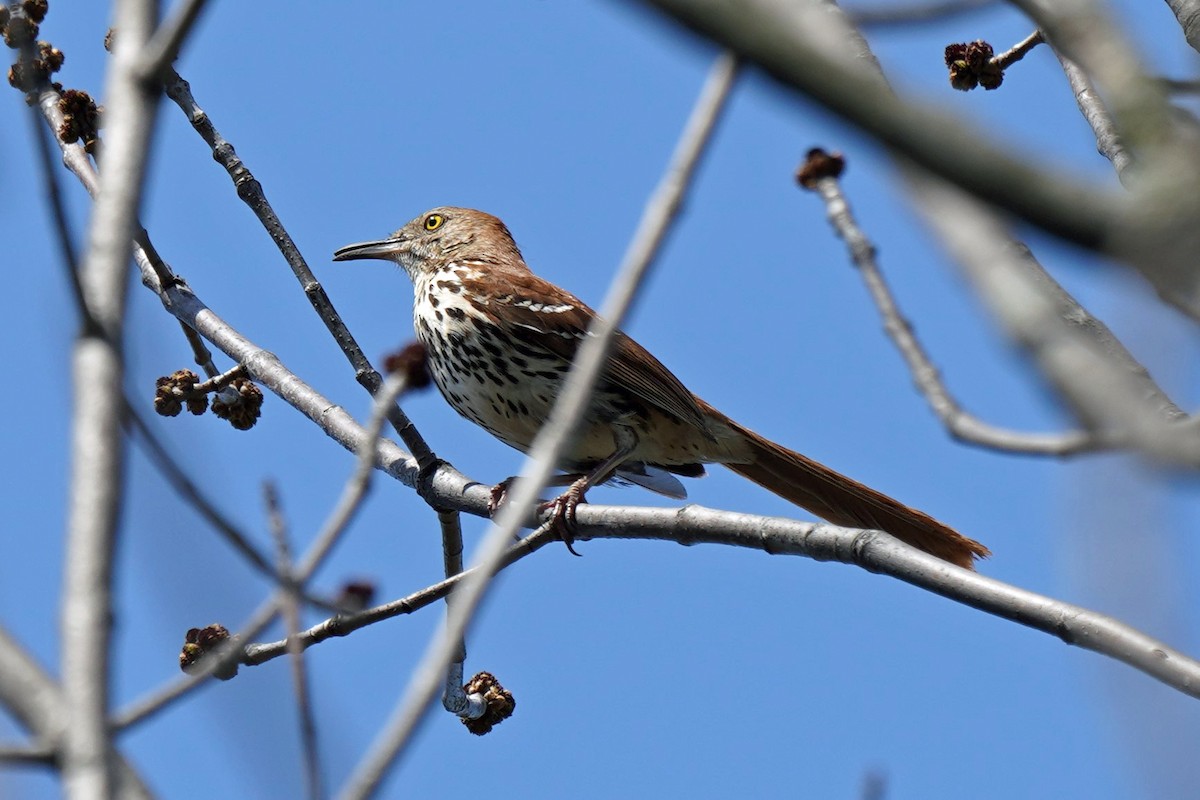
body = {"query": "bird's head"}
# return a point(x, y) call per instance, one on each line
point(440, 237)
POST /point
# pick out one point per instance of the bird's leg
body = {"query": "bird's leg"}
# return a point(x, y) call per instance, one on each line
point(499, 494)
point(562, 508)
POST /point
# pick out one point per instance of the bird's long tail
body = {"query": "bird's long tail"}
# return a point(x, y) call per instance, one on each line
point(844, 501)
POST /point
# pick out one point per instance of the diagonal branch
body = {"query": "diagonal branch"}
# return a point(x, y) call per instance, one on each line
point(791, 40)
point(36, 701)
point(1108, 141)
point(163, 47)
point(353, 494)
point(1104, 386)
point(962, 425)
point(251, 192)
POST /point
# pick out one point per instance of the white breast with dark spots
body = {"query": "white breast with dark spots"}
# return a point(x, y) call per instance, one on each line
point(500, 384)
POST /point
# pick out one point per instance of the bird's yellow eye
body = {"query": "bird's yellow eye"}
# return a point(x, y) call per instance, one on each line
point(434, 221)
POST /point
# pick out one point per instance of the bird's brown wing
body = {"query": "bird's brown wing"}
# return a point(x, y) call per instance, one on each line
point(543, 315)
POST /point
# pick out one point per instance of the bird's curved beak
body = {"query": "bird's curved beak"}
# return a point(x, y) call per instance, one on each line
point(385, 249)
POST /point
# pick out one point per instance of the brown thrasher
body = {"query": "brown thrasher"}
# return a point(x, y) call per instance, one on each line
point(500, 341)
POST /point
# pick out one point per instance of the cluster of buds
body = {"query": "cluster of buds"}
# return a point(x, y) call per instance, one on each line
point(240, 403)
point(172, 391)
point(500, 703)
point(26, 76)
point(973, 64)
point(19, 26)
point(81, 119)
point(819, 164)
point(81, 116)
point(236, 398)
point(22, 28)
point(202, 644)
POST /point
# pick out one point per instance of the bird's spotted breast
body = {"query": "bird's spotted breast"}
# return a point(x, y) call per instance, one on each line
point(504, 385)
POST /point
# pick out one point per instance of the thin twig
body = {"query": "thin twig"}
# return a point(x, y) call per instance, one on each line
point(200, 351)
point(1182, 85)
point(161, 698)
point(454, 696)
point(192, 495)
point(15, 755)
point(164, 45)
point(544, 454)
point(367, 448)
point(343, 625)
point(962, 425)
point(1100, 381)
point(1108, 139)
point(790, 39)
point(58, 211)
point(167, 466)
point(1018, 51)
point(359, 483)
point(289, 604)
point(76, 159)
point(251, 192)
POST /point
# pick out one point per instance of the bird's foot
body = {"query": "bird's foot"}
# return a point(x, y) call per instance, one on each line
point(562, 514)
point(561, 508)
point(499, 495)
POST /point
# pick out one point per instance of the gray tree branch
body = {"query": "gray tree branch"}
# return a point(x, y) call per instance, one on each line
point(97, 462)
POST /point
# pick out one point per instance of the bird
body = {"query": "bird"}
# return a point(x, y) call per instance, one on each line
point(500, 341)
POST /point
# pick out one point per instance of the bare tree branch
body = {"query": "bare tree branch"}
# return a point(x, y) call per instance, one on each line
point(454, 696)
point(251, 192)
point(166, 42)
point(36, 702)
point(1109, 393)
point(30, 755)
point(1161, 233)
point(367, 449)
point(792, 41)
point(1188, 14)
point(1156, 231)
point(343, 625)
point(1104, 365)
point(1019, 50)
point(97, 463)
point(1108, 141)
point(960, 424)
point(874, 551)
point(289, 604)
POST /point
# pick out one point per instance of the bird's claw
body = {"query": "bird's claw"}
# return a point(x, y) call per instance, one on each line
point(562, 516)
point(499, 495)
point(562, 510)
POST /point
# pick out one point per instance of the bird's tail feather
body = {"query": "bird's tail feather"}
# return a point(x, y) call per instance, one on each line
point(844, 501)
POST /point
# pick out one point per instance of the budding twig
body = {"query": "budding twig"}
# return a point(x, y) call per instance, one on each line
point(820, 174)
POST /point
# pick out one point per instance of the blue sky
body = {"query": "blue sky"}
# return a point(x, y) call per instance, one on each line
point(641, 669)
